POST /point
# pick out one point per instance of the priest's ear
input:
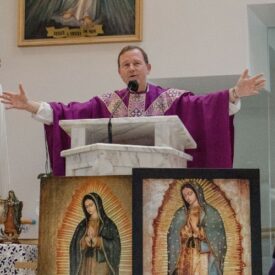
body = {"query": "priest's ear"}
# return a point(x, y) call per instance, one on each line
point(148, 68)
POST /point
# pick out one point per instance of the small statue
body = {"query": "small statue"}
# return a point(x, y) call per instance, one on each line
point(12, 218)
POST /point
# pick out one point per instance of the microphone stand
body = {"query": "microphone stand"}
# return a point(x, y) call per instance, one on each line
point(132, 88)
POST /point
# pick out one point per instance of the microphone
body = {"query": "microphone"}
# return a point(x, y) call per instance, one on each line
point(132, 88)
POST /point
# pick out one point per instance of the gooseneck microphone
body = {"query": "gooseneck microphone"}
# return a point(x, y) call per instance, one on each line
point(132, 88)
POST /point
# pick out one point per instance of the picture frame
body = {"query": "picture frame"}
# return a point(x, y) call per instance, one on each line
point(171, 235)
point(45, 23)
point(82, 217)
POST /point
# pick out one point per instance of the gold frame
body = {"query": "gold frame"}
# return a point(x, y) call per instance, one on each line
point(23, 42)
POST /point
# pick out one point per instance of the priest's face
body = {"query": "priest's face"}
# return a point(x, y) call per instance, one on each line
point(132, 66)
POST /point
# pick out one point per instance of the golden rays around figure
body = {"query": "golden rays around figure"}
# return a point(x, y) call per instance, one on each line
point(74, 214)
point(215, 197)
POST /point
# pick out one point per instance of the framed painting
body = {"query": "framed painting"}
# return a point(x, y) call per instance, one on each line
point(53, 22)
point(85, 225)
point(197, 221)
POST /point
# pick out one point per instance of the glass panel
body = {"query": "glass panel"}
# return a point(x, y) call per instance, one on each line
point(255, 148)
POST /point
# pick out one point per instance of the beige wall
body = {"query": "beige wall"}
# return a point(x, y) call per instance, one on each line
point(183, 38)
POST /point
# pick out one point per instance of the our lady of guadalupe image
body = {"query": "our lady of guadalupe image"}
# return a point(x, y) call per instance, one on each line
point(95, 247)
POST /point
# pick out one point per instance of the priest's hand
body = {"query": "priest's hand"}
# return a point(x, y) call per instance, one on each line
point(19, 101)
point(247, 86)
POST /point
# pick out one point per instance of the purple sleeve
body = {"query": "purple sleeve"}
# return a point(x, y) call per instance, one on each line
point(57, 139)
point(207, 119)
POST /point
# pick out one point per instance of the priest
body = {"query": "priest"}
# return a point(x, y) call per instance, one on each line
point(208, 118)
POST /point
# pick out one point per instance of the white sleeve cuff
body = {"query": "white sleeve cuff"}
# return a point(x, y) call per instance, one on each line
point(234, 107)
point(44, 113)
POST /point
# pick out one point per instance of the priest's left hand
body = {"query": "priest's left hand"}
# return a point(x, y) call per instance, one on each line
point(247, 86)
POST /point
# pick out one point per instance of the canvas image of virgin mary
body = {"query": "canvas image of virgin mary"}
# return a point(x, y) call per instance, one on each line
point(196, 226)
point(86, 226)
point(95, 246)
point(196, 239)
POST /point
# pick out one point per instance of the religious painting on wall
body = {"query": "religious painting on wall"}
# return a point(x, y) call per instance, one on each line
point(53, 22)
point(197, 221)
point(85, 225)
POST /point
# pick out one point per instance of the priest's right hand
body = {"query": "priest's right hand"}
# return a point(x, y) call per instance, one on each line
point(19, 101)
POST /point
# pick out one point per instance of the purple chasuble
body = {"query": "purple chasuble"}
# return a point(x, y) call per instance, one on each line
point(205, 116)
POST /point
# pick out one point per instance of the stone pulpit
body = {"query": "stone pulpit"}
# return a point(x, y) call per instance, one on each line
point(137, 142)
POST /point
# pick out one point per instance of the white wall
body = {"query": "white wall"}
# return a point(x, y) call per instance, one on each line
point(258, 32)
point(182, 37)
point(4, 154)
